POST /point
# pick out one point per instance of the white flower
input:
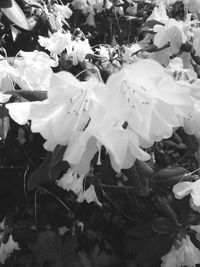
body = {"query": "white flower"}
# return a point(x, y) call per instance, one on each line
point(192, 122)
point(159, 14)
point(7, 249)
point(71, 181)
point(80, 50)
point(33, 70)
point(183, 189)
point(68, 108)
point(178, 72)
point(7, 72)
point(89, 195)
point(172, 33)
point(64, 11)
point(57, 43)
point(196, 41)
point(146, 97)
point(184, 253)
point(192, 5)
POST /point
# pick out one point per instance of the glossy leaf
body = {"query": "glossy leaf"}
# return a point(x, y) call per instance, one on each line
point(164, 226)
point(169, 176)
point(16, 15)
point(41, 175)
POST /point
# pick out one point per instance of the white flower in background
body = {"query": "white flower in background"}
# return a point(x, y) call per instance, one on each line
point(57, 43)
point(159, 14)
point(64, 11)
point(172, 33)
point(7, 248)
point(178, 72)
point(71, 181)
point(192, 5)
point(7, 72)
point(33, 70)
point(196, 41)
point(192, 121)
point(184, 253)
point(89, 195)
point(80, 49)
point(183, 189)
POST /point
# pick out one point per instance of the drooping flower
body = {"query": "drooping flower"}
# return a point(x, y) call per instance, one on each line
point(68, 108)
point(159, 14)
point(192, 122)
point(89, 195)
point(178, 72)
point(57, 43)
point(183, 189)
point(71, 181)
point(64, 11)
point(80, 49)
point(122, 145)
point(184, 253)
point(171, 33)
point(8, 248)
point(6, 76)
point(144, 95)
point(33, 70)
point(192, 5)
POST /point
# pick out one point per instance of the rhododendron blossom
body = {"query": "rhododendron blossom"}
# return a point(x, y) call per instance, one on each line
point(152, 104)
point(68, 108)
point(33, 70)
point(172, 33)
point(57, 43)
point(7, 248)
point(183, 189)
point(183, 253)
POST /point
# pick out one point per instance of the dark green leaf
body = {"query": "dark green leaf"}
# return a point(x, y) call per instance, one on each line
point(169, 176)
point(143, 230)
point(164, 226)
point(155, 248)
point(139, 176)
point(29, 95)
point(57, 166)
point(151, 23)
point(166, 208)
point(5, 3)
point(41, 175)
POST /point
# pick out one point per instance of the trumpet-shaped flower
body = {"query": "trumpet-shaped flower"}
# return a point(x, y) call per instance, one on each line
point(178, 72)
point(191, 122)
point(57, 43)
point(183, 189)
point(159, 14)
point(8, 248)
point(183, 254)
point(146, 97)
point(68, 108)
point(64, 11)
point(89, 195)
point(71, 181)
point(121, 144)
point(6, 76)
point(172, 33)
point(33, 70)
